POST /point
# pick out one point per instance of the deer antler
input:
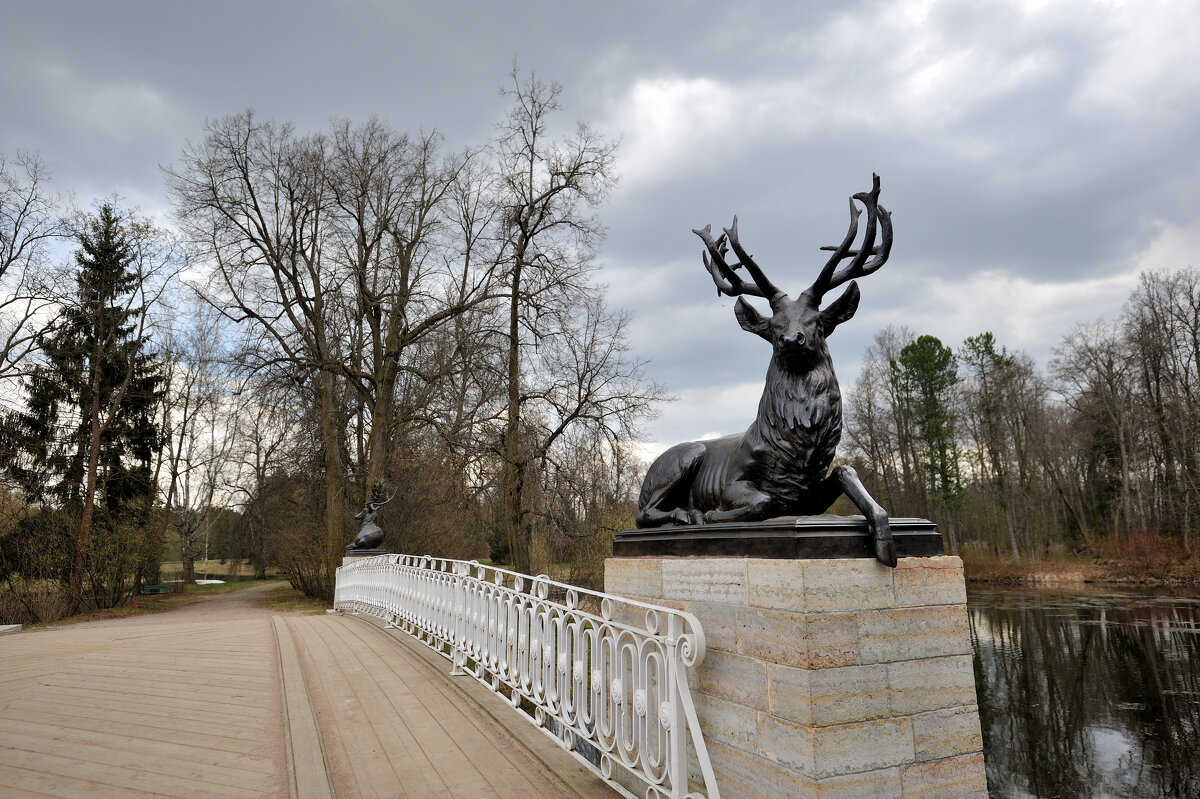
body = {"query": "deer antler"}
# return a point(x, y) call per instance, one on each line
point(728, 281)
point(859, 266)
point(379, 504)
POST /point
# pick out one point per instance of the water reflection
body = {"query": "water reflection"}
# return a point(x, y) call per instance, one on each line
point(1088, 695)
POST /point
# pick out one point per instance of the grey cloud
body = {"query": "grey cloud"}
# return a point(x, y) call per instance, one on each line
point(1045, 142)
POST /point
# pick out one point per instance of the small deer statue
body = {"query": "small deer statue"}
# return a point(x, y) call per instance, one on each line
point(370, 534)
point(780, 465)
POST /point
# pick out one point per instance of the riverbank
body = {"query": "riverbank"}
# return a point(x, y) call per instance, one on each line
point(1149, 567)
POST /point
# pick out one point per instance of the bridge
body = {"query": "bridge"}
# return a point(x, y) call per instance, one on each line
point(224, 698)
point(830, 677)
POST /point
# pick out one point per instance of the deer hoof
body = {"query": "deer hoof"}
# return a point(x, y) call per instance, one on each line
point(885, 551)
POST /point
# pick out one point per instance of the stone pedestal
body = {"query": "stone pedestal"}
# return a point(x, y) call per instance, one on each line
point(354, 555)
point(827, 677)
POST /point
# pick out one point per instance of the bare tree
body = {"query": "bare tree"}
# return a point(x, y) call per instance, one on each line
point(879, 433)
point(346, 255)
point(201, 417)
point(30, 224)
point(256, 197)
point(991, 374)
point(411, 270)
point(1162, 325)
point(548, 186)
point(266, 424)
point(1093, 369)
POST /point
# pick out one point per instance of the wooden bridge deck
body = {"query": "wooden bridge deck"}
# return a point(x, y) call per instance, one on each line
point(224, 699)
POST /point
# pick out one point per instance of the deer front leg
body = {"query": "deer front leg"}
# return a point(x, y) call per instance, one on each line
point(844, 480)
point(742, 502)
point(877, 518)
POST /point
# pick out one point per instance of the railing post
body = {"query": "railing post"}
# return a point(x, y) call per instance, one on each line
point(457, 647)
point(670, 712)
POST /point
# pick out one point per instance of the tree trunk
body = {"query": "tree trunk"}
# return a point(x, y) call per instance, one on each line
point(187, 555)
point(258, 559)
point(89, 498)
point(515, 465)
point(334, 479)
point(1012, 534)
point(1126, 503)
point(381, 425)
point(951, 532)
point(1187, 523)
point(518, 538)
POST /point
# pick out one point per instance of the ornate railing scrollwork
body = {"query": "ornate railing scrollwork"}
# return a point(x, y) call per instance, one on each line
point(602, 675)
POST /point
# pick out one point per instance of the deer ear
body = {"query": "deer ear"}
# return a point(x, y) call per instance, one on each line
point(840, 309)
point(750, 319)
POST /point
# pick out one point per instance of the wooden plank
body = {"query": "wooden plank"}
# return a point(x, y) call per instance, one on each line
point(308, 771)
point(62, 786)
point(444, 761)
point(133, 724)
point(126, 742)
point(472, 755)
point(353, 718)
point(143, 707)
point(131, 781)
point(502, 722)
point(161, 715)
point(493, 767)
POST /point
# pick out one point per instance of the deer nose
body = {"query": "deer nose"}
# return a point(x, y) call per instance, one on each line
point(796, 339)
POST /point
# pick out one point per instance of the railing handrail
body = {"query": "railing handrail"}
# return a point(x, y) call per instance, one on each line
point(607, 671)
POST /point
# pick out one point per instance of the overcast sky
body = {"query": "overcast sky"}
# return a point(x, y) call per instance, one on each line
point(1035, 155)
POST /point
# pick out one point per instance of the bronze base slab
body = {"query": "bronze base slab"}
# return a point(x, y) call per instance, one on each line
point(824, 536)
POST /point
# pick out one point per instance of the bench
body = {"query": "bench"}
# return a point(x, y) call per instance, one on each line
point(156, 589)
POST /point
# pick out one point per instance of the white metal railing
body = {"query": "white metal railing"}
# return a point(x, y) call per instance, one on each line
point(604, 676)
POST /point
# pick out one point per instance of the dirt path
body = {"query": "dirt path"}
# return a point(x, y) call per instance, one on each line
point(242, 603)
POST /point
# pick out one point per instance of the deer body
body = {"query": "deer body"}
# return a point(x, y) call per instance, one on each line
point(780, 465)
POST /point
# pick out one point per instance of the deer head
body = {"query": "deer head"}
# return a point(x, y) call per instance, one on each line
point(797, 328)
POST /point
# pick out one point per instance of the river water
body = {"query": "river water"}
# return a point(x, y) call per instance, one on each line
point(1088, 693)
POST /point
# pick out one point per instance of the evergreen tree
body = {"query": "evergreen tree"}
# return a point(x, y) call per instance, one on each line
point(924, 378)
point(89, 432)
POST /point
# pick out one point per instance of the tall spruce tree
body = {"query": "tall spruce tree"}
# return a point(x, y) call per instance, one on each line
point(924, 377)
point(88, 435)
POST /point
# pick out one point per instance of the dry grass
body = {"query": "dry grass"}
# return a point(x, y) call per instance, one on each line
point(138, 606)
point(990, 568)
point(1149, 559)
point(1143, 560)
point(173, 569)
point(288, 599)
point(151, 603)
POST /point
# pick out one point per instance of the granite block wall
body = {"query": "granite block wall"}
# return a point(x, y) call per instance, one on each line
point(827, 678)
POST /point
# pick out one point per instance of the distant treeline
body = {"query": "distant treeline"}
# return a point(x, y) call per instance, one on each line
point(1102, 446)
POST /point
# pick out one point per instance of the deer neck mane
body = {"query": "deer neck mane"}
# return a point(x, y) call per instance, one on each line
point(799, 399)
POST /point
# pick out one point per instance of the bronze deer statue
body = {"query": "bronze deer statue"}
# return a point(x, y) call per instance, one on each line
point(780, 465)
point(370, 534)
